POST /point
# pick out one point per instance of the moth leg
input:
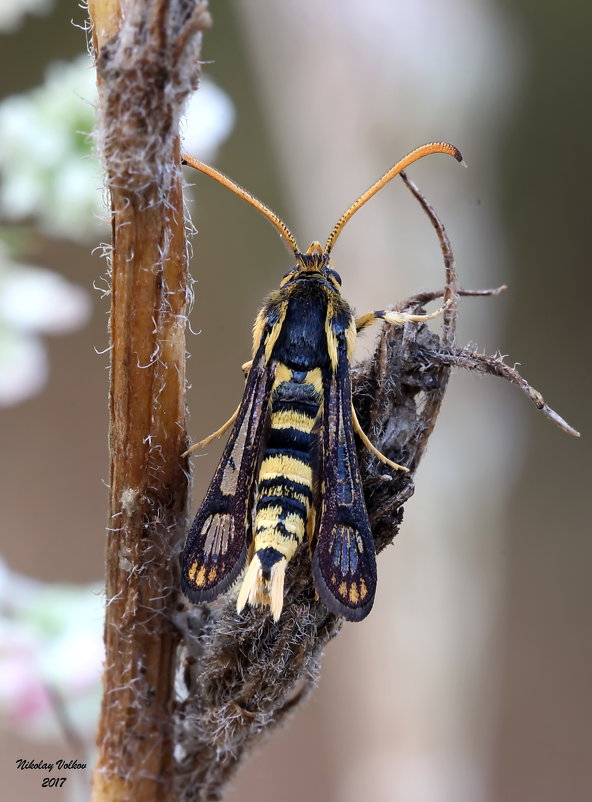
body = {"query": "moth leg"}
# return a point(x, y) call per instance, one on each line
point(363, 437)
point(218, 433)
point(396, 318)
point(247, 367)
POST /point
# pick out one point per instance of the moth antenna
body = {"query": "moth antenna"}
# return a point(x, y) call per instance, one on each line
point(415, 155)
point(283, 229)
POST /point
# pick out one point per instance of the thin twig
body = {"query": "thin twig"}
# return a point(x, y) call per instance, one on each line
point(450, 277)
point(495, 366)
point(429, 414)
point(421, 298)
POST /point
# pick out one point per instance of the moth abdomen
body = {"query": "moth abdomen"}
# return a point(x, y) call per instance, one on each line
point(268, 557)
point(285, 485)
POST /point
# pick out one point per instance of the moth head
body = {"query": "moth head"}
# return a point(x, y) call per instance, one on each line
point(312, 264)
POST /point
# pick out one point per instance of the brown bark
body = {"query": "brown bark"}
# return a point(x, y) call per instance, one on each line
point(146, 66)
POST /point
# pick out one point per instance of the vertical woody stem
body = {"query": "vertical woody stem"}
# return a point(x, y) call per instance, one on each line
point(148, 491)
point(146, 66)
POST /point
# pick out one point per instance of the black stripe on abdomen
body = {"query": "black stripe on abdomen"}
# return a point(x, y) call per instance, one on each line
point(288, 440)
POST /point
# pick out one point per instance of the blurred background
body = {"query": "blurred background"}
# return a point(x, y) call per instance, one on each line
point(470, 681)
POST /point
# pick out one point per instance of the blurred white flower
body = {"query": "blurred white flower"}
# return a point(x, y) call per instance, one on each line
point(50, 648)
point(48, 172)
point(208, 121)
point(47, 167)
point(11, 13)
point(23, 367)
point(33, 300)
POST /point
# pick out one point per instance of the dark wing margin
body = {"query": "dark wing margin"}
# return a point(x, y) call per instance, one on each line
point(344, 560)
point(216, 546)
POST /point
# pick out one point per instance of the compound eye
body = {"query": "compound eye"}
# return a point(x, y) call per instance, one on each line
point(335, 276)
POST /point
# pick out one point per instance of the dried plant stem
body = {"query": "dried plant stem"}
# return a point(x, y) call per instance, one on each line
point(144, 76)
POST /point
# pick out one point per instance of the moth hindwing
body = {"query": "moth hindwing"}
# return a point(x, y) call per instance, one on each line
point(290, 469)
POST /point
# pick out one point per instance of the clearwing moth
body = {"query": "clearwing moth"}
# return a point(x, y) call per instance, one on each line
point(289, 468)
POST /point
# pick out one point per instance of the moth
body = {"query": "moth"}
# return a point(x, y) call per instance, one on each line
point(289, 470)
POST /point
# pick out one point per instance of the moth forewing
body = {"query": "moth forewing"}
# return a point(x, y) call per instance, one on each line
point(216, 547)
point(344, 562)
